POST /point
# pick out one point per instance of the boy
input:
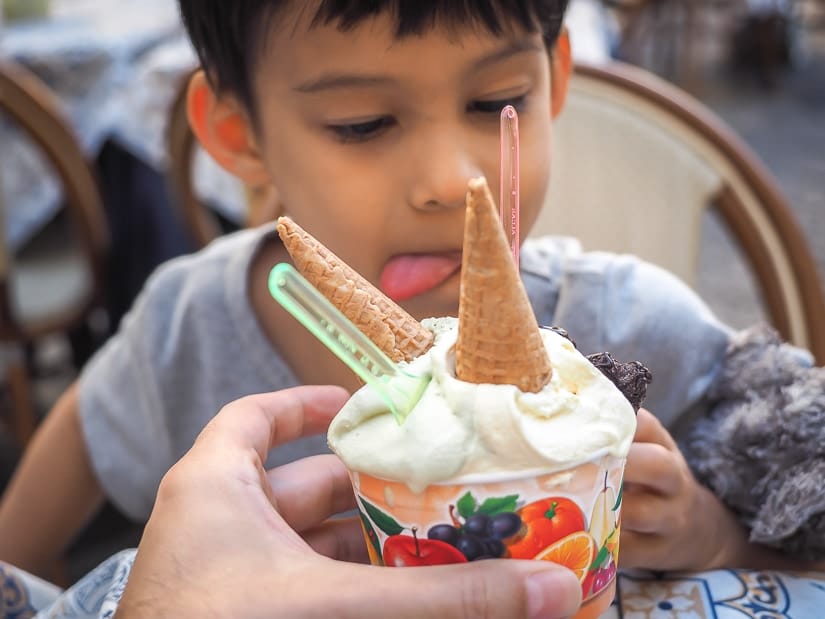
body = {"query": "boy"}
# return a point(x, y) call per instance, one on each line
point(368, 118)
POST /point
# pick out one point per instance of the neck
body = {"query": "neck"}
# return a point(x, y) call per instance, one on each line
point(308, 359)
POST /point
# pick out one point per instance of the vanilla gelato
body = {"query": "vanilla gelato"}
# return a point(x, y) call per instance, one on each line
point(459, 430)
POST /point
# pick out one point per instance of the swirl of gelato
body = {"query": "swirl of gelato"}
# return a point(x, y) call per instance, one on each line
point(460, 430)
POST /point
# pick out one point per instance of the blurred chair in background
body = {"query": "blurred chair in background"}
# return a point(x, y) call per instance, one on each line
point(667, 36)
point(636, 164)
point(52, 284)
point(674, 38)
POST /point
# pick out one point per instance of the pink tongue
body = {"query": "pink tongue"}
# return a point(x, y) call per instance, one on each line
point(412, 274)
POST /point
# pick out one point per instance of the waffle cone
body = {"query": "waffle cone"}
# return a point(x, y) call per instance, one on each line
point(400, 336)
point(498, 337)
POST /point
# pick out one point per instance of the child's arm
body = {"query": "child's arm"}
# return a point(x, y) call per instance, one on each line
point(671, 522)
point(53, 493)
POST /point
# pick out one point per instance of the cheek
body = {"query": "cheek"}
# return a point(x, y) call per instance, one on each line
point(346, 219)
point(338, 209)
point(535, 164)
point(325, 190)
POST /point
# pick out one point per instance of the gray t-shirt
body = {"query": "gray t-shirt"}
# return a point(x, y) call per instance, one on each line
point(192, 344)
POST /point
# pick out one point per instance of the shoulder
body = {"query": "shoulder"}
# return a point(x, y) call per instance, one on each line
point(561, 260)
point(656, 295)
point(190, 308)
point(602, 287)
point(542, 264)
point(222, 264)
point(622, 295)
point(205, 286)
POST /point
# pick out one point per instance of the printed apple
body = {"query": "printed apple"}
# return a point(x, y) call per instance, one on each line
point(545, 522)
point(603, 577)
point(409, 551)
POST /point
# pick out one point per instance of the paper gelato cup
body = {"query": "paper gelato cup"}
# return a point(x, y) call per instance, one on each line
point(570, 517)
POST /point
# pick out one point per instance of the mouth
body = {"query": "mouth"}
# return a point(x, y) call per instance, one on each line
point(409, 275)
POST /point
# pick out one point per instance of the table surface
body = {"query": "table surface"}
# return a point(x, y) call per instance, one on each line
point(722, 594)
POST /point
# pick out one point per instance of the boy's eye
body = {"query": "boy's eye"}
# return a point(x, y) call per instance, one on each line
point(496, 105)
point(359, 132)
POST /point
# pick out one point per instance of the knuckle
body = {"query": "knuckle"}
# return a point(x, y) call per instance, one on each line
point(640, 516)
point(659, 454)
point(174, 482)
point(476, 601)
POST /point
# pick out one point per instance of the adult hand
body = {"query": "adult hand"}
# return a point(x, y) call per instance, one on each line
point(669, 520)
point(229, 539)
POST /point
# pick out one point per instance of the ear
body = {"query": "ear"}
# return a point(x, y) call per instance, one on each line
point(561, 65)
point(225, 131)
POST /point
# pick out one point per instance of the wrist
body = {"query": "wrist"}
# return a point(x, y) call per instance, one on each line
point(730, 544)
point(734, 548)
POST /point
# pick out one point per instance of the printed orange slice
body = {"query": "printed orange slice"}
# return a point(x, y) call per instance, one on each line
point(575, 552)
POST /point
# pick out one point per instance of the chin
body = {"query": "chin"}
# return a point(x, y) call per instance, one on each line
point(440, 301)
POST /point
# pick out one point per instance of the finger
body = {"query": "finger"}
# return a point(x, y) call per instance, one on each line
point(310, 490)
point(341, 539)
point(644, 512)
point(650, 430)
point(264, 421)
point(655, 467)
point(493, 589)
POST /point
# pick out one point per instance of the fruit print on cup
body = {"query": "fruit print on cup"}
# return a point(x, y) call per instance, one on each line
point(546, 522)
point(570, 518)
point(575, 552)
point(408, 551)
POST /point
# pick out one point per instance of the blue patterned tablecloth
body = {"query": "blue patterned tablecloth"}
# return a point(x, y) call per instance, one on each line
point(722, 594)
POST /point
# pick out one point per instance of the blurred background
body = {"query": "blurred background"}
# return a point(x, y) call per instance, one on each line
point(720, 104)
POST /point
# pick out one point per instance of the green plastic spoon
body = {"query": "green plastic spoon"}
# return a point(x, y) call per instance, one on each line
point(400, 390)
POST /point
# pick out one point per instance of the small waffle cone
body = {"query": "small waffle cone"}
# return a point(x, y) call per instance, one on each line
point(498, 337)
point(400, 336)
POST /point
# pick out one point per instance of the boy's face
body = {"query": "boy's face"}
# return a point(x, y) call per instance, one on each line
point(371, 140)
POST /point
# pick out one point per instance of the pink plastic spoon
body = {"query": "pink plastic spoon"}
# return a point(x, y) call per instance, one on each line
point(509, 170)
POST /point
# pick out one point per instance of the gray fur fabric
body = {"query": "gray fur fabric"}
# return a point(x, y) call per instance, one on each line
point(762, 447)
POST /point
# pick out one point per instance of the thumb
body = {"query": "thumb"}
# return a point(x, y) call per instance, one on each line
point(490, 589)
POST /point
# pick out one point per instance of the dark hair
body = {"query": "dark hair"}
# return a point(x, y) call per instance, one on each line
point(227, 34)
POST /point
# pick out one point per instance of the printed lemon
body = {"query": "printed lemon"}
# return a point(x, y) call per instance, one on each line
point(575, 552)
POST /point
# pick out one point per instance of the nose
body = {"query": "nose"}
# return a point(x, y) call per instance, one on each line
point(445, 166)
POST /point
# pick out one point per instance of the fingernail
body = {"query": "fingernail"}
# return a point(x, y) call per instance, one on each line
point(553, 594)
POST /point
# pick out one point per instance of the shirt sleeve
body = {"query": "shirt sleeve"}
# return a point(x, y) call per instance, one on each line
point(123, 421)
point(640, 312)
point(96, 595)
point(190, 345)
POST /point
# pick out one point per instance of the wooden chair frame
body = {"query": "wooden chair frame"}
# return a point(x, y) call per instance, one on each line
point(31, 106)
point(784, 266)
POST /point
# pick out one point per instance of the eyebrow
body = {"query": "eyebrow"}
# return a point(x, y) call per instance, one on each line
point(513, 49)
point(332, 81)
point(335, 81)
